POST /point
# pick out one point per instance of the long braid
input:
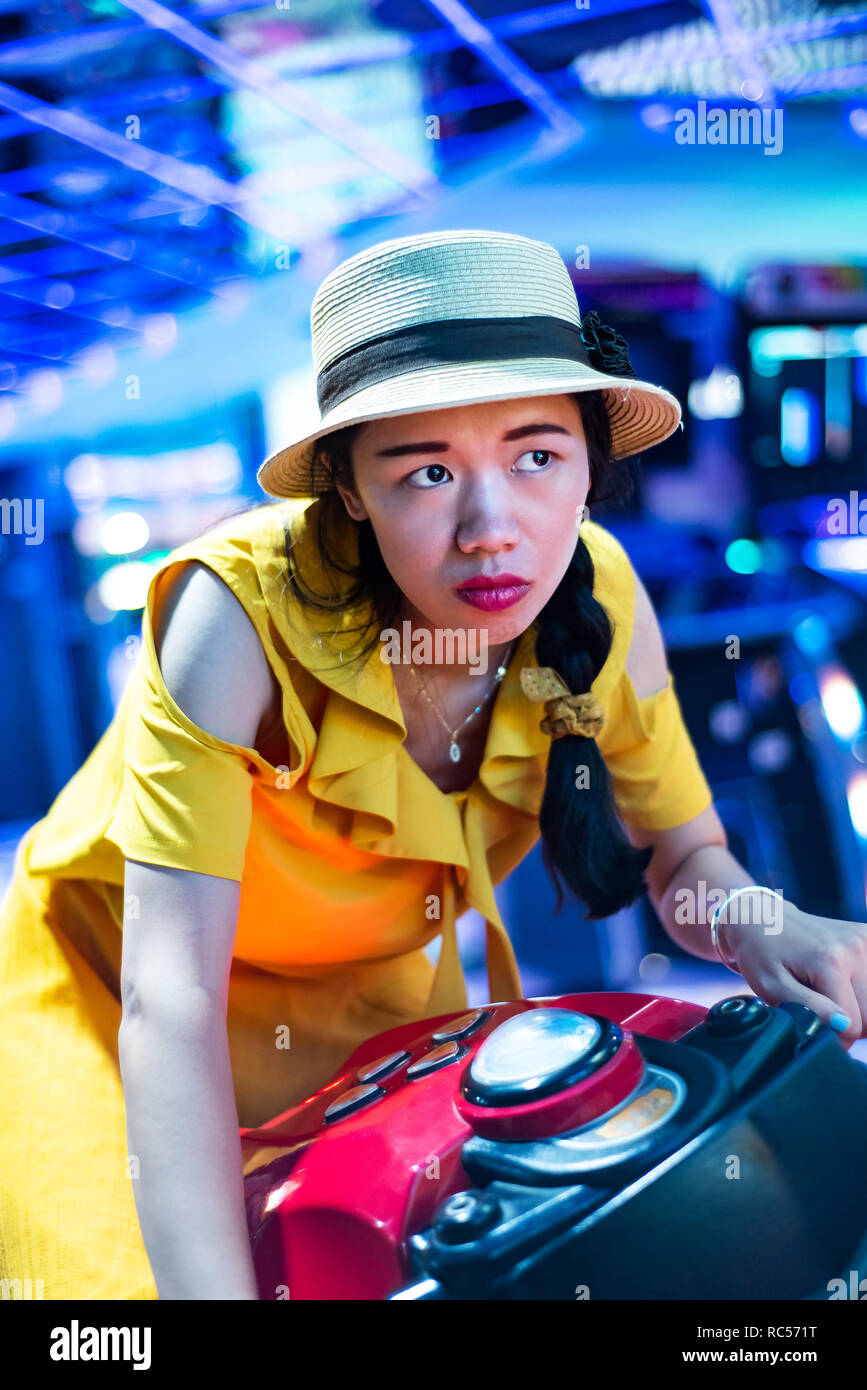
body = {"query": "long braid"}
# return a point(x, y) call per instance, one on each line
point(583, 841)
point(582, 838)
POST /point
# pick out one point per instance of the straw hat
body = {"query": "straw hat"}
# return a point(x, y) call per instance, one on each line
point(454, 318)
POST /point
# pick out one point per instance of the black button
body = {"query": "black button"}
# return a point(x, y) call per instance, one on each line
point(350, 1102)
point(461, 1027)
point(466, 1216)
point(384, 1066)
point(807, 1024)
point(439, 1057)
point(728, 1017)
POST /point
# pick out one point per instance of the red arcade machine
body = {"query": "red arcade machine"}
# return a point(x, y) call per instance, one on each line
point(604, 1145)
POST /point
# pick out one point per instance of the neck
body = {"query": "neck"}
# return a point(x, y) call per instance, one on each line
point(459, 652)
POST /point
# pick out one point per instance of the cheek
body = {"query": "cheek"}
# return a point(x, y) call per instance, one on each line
point(558, 529)
point(409, 542)
point(556, 533)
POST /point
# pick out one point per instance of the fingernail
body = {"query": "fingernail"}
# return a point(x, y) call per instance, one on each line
point(839, 1022)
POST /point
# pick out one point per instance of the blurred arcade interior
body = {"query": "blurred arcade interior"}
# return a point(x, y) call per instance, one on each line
point(175, 182)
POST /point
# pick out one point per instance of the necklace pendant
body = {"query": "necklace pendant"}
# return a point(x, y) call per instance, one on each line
point(454, 752)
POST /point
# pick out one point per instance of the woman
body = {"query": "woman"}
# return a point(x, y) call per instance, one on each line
point(237, 886)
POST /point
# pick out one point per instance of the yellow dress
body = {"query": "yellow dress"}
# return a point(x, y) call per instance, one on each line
point(350, 859)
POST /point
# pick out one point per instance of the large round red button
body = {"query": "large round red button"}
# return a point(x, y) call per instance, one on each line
point(546, 1071)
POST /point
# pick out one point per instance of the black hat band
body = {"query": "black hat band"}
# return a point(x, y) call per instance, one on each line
point(445, 343)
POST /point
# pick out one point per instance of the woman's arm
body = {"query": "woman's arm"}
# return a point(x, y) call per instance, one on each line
point(686, 854)
point(178, 939)
point(782, 952)
point(691, 866)
point(182, 1120)
point(786, 954)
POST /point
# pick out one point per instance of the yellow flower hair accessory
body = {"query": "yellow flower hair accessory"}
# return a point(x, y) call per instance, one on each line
point(566, 713)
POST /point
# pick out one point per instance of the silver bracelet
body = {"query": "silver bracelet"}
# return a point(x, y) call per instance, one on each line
point(714, 937)
point(717, 913)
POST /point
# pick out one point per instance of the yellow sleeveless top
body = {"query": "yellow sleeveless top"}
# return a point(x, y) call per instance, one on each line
point(350, 858)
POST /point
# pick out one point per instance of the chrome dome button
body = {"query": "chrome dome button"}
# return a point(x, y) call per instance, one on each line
point(546, 1071)
point(533, 1054)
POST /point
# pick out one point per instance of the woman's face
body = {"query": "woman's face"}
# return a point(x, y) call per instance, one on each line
point(487, 489)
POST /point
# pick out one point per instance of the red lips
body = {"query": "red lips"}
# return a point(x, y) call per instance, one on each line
point(493, 581)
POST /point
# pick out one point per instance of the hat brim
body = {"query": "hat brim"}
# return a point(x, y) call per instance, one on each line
point(640, 413)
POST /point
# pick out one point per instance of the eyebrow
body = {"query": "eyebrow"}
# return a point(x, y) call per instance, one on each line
point(439, 446)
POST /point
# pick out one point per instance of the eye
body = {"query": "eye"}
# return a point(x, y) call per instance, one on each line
point(531, 453)
point(428, 468)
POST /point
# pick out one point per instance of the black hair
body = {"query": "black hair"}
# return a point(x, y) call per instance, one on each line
point(583, 840)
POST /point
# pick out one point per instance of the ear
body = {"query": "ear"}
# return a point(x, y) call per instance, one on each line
point(352, 502)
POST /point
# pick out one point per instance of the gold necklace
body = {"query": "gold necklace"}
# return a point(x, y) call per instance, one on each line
point(454, 747)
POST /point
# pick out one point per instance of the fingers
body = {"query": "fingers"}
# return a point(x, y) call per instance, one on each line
point(839, 1002)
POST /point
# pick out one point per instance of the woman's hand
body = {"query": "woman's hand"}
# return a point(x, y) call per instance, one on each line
point(817, 961)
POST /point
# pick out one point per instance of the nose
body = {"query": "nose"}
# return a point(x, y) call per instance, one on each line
point(487, 521)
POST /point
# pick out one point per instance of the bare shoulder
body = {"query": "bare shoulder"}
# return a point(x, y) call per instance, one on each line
point(212, 660)
point(646, 660)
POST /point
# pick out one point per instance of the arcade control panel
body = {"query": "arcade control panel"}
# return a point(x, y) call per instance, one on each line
point(621, 1144)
